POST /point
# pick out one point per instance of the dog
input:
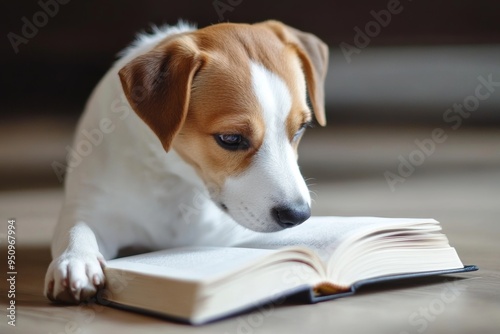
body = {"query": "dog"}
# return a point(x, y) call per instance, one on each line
point(190, 139)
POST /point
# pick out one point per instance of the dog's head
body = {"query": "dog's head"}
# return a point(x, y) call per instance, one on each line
point(231, 99)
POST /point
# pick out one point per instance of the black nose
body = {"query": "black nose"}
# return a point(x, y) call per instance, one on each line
point(290, 216)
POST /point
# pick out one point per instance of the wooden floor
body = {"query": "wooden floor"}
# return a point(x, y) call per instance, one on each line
point(458, 184)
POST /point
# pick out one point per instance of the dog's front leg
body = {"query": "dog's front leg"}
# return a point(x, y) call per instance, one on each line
point(75, 272)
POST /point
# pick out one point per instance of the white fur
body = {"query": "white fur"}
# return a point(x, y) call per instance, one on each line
point(128, 192)
point(274, 174)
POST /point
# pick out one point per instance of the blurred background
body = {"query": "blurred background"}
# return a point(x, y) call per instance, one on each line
point(396, 71)
point(413, 109)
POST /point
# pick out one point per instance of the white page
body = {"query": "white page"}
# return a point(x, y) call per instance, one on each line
point(191, 263)
point(324, 234)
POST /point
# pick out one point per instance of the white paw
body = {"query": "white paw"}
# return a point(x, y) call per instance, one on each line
point(74, 277)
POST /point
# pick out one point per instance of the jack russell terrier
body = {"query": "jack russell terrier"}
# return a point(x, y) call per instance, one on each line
point(192, 134)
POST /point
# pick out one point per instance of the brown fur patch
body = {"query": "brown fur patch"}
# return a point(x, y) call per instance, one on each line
point(223, 99)
point(218, 97)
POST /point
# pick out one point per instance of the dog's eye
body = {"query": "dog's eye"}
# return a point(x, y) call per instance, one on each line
point(301, 130)
point(232, 142)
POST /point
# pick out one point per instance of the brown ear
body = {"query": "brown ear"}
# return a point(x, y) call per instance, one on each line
point(158, 85)
point(313, 54)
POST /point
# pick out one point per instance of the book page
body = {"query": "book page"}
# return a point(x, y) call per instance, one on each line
point(192, 263)
point(324, 234)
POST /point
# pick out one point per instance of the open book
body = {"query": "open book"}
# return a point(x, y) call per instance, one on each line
point(327, 257)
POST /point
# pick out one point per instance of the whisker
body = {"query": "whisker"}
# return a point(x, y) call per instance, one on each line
point(313, 193)
point(309, 179)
